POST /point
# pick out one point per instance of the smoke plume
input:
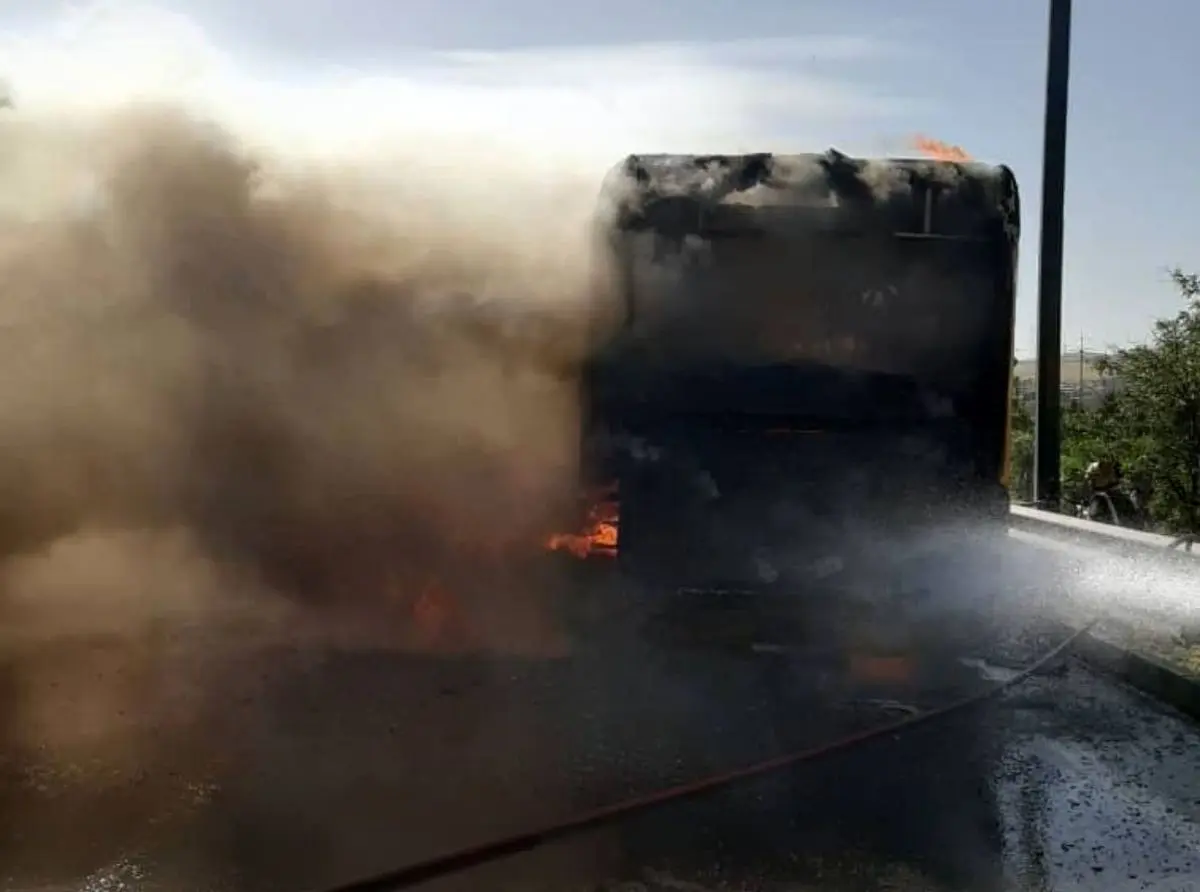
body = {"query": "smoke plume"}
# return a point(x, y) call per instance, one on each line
point(287, 349)
point(330, 376)
point(323, 325)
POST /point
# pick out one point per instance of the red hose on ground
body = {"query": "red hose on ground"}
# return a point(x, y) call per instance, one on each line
point(464, 859)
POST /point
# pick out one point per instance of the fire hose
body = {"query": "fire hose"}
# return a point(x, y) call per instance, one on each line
point(505, 847)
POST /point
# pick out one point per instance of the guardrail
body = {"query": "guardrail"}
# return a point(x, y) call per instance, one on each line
point(1112, 539)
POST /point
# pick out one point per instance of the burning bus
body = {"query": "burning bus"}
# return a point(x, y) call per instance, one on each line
point(807, 379)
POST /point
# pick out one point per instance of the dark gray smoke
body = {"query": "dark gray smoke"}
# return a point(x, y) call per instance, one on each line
point(328, 388)
point(282, 359)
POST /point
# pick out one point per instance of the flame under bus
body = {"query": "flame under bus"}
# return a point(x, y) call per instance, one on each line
point(809, 350)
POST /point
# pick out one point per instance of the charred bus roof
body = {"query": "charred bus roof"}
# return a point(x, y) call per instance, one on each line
point(780, 265)
point(714, 196)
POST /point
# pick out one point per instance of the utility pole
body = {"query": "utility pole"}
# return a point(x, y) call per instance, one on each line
point(1048, 432)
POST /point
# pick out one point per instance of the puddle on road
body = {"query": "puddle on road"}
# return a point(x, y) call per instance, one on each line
point(1071, 823)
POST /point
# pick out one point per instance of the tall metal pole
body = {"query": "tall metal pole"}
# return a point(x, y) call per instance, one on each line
point(1048, 434)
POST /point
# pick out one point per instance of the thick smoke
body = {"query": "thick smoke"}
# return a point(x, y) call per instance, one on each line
point(285, 358)
point(323, 329)
point(256, 390)
point(248, 400)
point(333, 380)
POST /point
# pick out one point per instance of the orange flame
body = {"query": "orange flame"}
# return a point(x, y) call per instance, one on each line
point(938, 150)
point(600, 535)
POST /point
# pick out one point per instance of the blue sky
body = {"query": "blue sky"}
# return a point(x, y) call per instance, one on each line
point(795, 75)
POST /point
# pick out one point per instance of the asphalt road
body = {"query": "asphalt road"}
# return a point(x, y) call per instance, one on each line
point(249, 767)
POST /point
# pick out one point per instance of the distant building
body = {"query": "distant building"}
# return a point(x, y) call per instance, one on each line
point(1080, 382)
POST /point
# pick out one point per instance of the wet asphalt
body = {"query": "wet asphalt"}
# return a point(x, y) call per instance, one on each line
point(295, 768)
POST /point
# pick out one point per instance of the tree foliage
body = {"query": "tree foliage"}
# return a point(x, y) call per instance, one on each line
point(1020, 451)
point(1150, 424)
point(1084, 438)
point(1155, 427)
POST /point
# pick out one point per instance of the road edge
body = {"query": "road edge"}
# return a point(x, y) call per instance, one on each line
point(1147, 674)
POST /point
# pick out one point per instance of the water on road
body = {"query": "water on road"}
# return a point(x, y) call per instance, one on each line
point(302, 767)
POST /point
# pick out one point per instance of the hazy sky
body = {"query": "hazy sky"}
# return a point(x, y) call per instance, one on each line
point(796, 75)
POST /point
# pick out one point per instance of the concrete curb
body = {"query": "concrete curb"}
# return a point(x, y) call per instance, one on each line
point(1146, 673)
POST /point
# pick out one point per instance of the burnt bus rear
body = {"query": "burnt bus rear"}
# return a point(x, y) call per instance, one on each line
point(808, 383)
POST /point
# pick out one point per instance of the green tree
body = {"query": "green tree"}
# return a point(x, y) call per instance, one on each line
point(1086, 436)
point(1153, 424)
point(1020, 450)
